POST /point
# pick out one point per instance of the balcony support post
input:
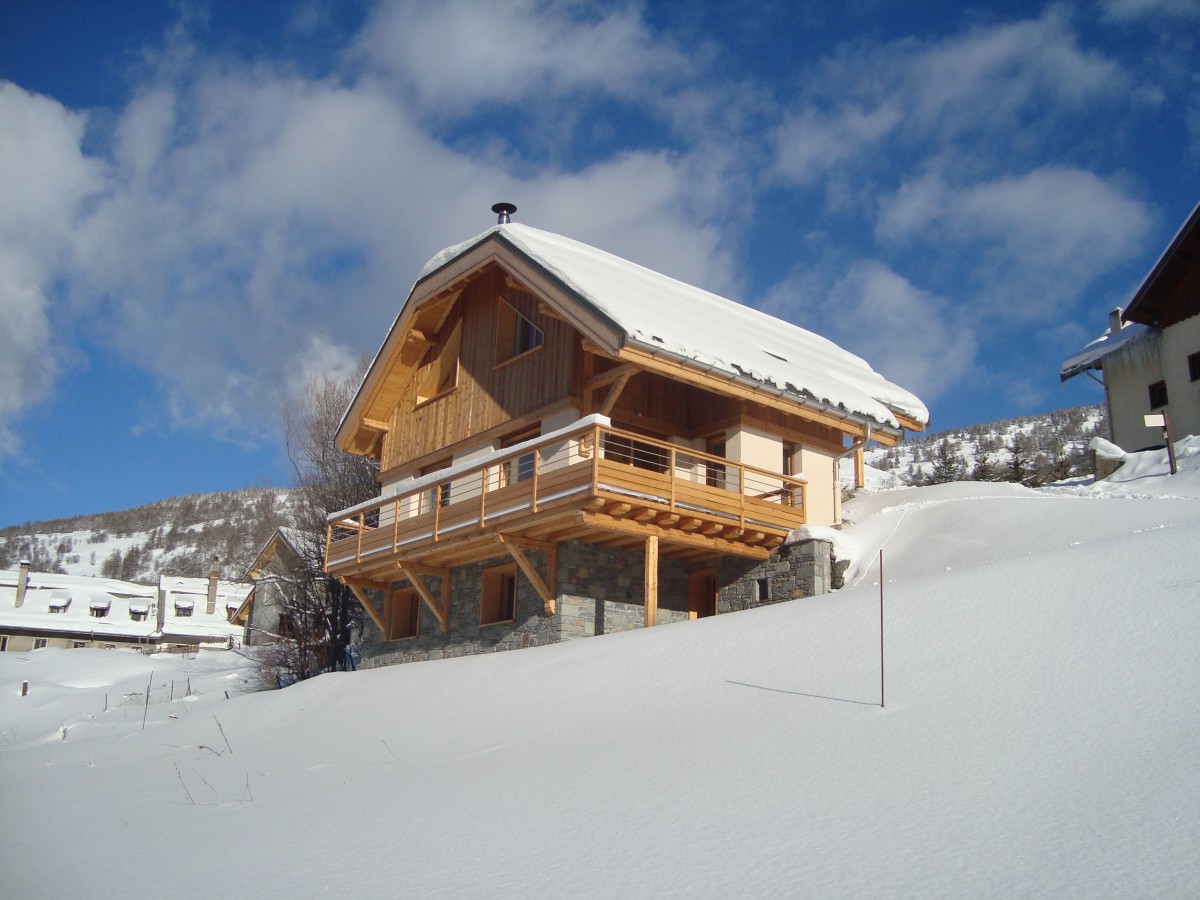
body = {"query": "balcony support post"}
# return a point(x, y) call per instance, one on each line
point(651, 581)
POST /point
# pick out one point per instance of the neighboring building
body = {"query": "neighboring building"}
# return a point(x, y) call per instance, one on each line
point(571, 444)
point(278, 577)
point(1150, 355)
point(45, 610)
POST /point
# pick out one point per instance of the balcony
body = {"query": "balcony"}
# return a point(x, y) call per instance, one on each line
point(589, 483)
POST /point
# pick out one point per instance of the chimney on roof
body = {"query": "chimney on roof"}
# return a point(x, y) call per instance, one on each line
point(213, 575)
point(22, 581)
point(1114, 321)
point(504, 212)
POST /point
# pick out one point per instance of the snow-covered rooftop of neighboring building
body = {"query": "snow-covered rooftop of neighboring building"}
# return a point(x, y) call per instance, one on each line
point(668, 317)
point(106, 608)
point(1093, 353)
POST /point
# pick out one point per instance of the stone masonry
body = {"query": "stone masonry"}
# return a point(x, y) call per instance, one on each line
point(599, 591)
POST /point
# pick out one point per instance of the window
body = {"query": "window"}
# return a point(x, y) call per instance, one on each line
point(138, 615)
point(515, 334)
point(439, 494)
point(60, 605)
point(39, 643)
point(1194, 367)
point(403, 614)
point(714, 473)
point(762, 590)
point(183, 609)
point(98, 611)
point(3, 642)
point(635, 453)
point(499, 601)
point(520, 468)
point(75, 645)
point(438, 372)
point(1158, 395)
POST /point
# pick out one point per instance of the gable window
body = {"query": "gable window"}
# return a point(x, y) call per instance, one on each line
point(99, 612)
point(516, 335)
point(1158, 395)
point(60, 606)
point(138, 613)
point(1194, 367)
point(499, 600)
point(403, 614)
point(438, 372)
point(183, 608)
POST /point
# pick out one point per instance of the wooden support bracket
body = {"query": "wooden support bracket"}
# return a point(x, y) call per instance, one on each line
point(440, 610)
point(514, 549)
point(358, 587)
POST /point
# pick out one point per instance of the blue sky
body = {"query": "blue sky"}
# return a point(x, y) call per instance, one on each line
point(204, 204)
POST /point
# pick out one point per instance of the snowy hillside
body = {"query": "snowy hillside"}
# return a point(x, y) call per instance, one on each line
point(1053, 443)
point(179, 536)
point(1040, 737)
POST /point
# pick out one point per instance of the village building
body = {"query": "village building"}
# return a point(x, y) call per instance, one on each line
point(1149, 358)
point(278, 581)
point(39, 609)
point(571, 444)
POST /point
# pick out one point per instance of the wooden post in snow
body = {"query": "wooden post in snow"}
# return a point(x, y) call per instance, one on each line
point(881, 628)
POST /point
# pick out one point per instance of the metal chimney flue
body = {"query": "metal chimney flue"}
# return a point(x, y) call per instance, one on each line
point(504, 212)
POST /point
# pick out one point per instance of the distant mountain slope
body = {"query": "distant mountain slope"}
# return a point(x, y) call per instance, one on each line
point(1051, 446)
point(179, 535)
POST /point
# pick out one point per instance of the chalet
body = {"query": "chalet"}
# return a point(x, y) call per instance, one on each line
point(1149, 357)
point(571, 444)
point(40, 609)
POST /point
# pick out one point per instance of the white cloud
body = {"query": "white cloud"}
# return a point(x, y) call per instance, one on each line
point(997, 90)
point(44, 178)
point(456, 54)
point(1055, 228)
point(1126, 10)
point(910, 336)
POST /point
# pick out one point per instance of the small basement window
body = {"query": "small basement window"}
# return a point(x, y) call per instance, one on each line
point(1158, 395)
point(516, 335)
point(404, 614)
point(499, 599)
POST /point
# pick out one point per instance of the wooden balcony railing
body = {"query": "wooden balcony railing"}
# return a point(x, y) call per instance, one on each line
point(567, 469)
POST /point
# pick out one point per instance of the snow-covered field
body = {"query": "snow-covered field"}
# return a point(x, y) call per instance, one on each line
point(1041, 737)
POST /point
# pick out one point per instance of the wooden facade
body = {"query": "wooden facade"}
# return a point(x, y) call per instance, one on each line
point(509, 417)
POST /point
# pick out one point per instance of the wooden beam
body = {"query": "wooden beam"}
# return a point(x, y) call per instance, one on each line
point(359, 595)
point(376, 425)
point(614, 393)
point(645, 515)
point(650, 593)
point(618, 509)
point(690, 524)
point(531, 573)
point(673, 536)
point(611, 376)
point(666, 519)
point(439, 610)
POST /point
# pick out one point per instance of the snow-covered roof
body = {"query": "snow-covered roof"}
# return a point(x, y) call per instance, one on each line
point(1094, 353)
point(105, 608)
point(668, 317)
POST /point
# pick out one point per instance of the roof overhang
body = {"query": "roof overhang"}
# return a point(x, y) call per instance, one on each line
point(1171, 292)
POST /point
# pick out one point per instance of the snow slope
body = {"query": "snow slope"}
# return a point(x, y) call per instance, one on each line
point(1040, 738)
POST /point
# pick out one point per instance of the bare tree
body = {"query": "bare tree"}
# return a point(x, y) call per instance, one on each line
point(324, 613)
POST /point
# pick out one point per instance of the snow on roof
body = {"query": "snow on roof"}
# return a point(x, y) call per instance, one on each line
point(104, 608)
point(669, 317)
point(1091, 355)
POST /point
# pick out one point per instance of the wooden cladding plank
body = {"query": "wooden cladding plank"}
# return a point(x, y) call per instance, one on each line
point(650, 587)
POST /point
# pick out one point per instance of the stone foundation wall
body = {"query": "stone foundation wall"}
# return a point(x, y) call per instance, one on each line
point(599, 591)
